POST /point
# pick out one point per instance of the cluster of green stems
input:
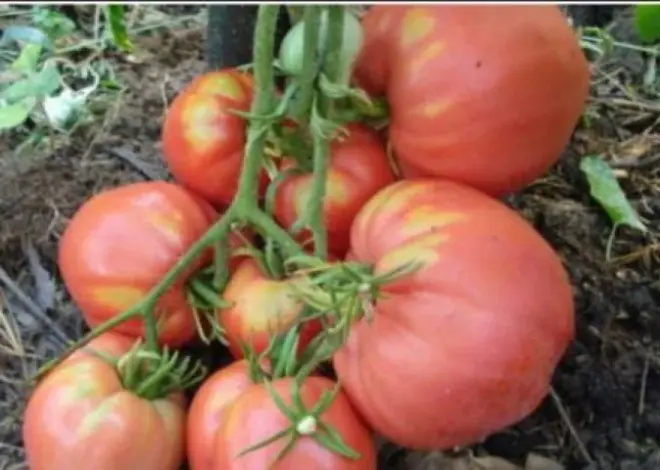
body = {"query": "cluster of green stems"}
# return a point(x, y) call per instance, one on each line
point(245, 210)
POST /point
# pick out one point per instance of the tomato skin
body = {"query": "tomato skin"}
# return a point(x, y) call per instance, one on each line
point(203, 140)
point(208, 410)
point(80, 417)
point(358, 168)
point(262, 307)
point(486, 95)
point(466, 345)
point(254, 417)
point(121, 242)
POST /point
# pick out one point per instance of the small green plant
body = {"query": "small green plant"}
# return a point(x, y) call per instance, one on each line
point(42, 89)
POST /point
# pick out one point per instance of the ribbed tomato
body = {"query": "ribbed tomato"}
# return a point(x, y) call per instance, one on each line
point(208, 411)
point(203, 140)
point(261, 308)
point(121, 242)
point(467, 344)
point(487, 95)
point(81, 417)
point(254, 417)
point(358, 168)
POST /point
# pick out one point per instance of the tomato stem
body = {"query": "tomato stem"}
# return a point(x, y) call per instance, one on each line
point(307, 79)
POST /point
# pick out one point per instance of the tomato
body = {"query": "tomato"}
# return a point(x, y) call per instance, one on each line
point(121, 242)
point(486, 95)
point(81, 417)
point(203, 140)
point(292, 49)
point(358, 168)
point(254, 417)
point(467, 344)
point(208, 411)
point(262, 307)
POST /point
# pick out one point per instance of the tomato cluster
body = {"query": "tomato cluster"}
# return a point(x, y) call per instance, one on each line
point(465, 309)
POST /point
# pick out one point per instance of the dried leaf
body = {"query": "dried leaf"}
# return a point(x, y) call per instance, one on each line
point(43, 282)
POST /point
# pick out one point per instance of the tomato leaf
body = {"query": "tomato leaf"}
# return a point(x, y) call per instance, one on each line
point(114, 15)
point(647, 21)
point(605, 189)
point(13, 115)
point(52, 22)
point(37, 85)
point(28, 59)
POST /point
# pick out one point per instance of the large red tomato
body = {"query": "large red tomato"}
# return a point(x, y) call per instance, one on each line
point(467, 344)
point(121, 242)
point(203, 140)
point(358, 168)
point(487, 95)
point(254, 417)
point(81, 417)
point(261, 308)
point(208, 411)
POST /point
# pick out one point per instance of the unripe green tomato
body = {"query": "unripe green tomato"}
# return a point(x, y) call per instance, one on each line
point(291, 51)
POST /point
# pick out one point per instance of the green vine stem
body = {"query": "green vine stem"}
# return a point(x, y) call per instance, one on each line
point(312, 23)
point(322, 113)
point(244, 208)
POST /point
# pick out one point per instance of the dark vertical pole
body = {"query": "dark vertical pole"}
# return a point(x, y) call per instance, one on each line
point(229, 34)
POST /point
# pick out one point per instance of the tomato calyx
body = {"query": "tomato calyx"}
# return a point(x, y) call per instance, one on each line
point(152, 375)
point(340, 294)
point(304, 423)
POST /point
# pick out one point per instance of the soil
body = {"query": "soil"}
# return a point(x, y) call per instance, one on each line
point(604, 411)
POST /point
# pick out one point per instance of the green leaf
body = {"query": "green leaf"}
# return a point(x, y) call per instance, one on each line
point(13, 115)
point(28, 59)
point(605, 189)
point(38, 85)
point(52, 22)
point(647, 21)
point(114, 15)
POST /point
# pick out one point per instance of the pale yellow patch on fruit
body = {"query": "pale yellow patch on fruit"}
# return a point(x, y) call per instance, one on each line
point(224, 85)
point(434, 108)
point(97, 417)
point(417, 25)
point(198, 116)
point(421, 252)
point(169, 223)
point(271, 308)
point(336, 192)
point(426, 218)
point(428, 53)
point(118, 298)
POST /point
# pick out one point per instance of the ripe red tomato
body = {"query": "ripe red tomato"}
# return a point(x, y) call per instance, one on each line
point(358, 168)
point(486, 95)
point(254, 417)
point(208, 411)
point(121, 242)
point(203, 140)
point(467, 344)
point(262, 308)
point(80, 416)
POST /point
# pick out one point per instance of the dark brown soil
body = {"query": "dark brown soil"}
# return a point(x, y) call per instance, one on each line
point(604, 412)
